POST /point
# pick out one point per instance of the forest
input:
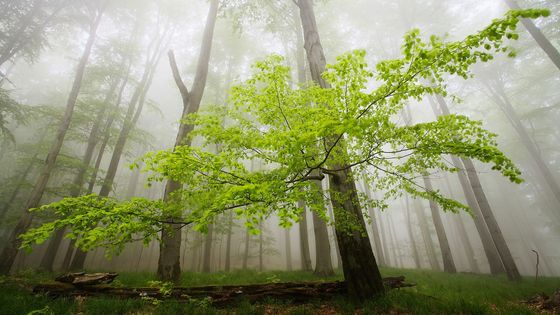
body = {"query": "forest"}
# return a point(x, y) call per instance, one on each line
point(279, 157)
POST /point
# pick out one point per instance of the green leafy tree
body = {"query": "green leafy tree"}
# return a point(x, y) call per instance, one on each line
point(303, 134)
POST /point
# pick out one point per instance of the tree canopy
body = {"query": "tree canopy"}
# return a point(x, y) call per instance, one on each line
point(299, 134)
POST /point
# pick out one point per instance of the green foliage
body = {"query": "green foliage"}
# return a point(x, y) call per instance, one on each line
point(297, 135)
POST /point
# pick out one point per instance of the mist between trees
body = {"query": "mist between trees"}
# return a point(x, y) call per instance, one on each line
point(89, 88)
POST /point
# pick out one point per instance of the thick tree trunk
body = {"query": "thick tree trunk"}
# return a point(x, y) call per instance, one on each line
point(304, 240)
point(358, 263)
point(168, 263)
point(538, 36)
point(448, 263)
point(10, 251)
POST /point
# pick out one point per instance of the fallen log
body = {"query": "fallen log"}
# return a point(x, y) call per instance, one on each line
point(219, 295)
point(82, 278)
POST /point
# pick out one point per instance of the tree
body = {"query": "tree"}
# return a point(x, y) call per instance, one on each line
point(169, 267)
point(289, 132)
point(9, 253)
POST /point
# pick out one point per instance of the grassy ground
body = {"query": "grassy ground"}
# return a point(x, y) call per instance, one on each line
point(435, 293)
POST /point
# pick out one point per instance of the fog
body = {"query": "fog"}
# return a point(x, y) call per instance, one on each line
point(516, 98)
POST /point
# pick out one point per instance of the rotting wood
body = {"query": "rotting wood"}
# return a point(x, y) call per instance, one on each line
point(219, 295)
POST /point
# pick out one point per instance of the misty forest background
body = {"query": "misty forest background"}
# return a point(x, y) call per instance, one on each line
point(128, 104)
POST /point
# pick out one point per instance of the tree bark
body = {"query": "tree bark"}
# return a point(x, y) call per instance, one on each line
point(538, 36)
point(169, 268)
point(447, 257)
point(288, 249)
point(358, 262)
point(227, 266)
point(246, 251)
point(486, 211)
point(494, 260)
point(376, 234)
point(207, 258)
point(304, 240)
point(323, 263)
point(10, 251)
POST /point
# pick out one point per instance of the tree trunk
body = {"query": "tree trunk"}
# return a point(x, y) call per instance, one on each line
point(207, 258)
point(304, 240)
point(500, 98)
point(288, 249)
point(227, 266)
point(376, 235)
point(538, 36)
point(261, 247)
point(490, 250)
point(323, 263)
point(52, 249)
point(6, 206)
point(486, 211)
point(246, 251)
point(415, 255)
point(358, 263)
point(169, 267)
point(426, 235)
point(10, 251)
point(447, 258)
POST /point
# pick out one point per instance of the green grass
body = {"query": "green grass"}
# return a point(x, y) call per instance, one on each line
point(435, 293)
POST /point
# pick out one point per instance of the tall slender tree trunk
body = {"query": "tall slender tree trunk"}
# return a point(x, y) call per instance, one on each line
point(23, 178)
point(169, 267)
point(491, 253)
point(447, 257)
point(486, 211)
point(288, 249)
point(538, 36)
point(227, 266)
point(361, 273)
point(304, 239)
point(376, 234)
point(499, 96)
point(52, 249)
point(261, 248)
point(246, 251)
point(426, 235)
point(207, 258)
point(415, 254)
point(323, 263)
point(10, 251)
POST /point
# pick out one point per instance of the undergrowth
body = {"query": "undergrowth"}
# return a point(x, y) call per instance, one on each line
point(435, 293)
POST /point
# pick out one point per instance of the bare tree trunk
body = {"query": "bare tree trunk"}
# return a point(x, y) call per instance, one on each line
point(228, 242)
point(169, 267)
point(538, 36)
point(261, 247)
point(8, 204)
point(361, 273)
point(323, 263)
point(304, 239)
point(486, 212)
point(426, 235)
point(376, 235)
point(448, 263)
point(500, 98)
point(246, 251)
point(10, 251)
point(52, 249)
point(490, 250)
point(288, 249)
point(207, 256)
point(415, 254)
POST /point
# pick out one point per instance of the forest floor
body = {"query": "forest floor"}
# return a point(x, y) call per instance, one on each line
point(434, 293)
